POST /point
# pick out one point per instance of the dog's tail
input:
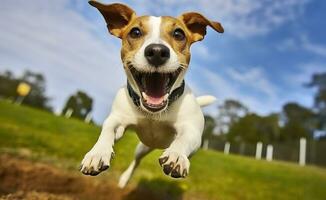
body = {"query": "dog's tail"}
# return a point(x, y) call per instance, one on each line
point(205, 100)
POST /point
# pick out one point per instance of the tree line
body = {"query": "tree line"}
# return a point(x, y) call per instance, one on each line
point(235, 123)
point(80, 103)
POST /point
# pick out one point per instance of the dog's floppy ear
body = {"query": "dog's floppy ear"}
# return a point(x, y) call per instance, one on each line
point(117, 16)
point(197, 23)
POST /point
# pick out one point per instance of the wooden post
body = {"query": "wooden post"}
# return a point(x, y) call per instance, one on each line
point(69, 113)
point(302, 153)
point(269, 153)
point(259, 150)
point(88, 118)
point(227, 148)
point(19, 100)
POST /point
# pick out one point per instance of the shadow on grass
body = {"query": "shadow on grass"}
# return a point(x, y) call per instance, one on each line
point(156, 189)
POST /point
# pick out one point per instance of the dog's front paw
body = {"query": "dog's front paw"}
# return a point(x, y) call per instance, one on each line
point(95, 162)
point(174, 164)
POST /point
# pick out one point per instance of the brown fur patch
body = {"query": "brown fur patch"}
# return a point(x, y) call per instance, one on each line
point(197, 24)
point(121, 19)
point(181, 48)
point(131, 45)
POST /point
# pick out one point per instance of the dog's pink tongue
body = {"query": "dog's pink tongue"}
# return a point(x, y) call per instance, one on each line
point(154, 100)
point(155, 89)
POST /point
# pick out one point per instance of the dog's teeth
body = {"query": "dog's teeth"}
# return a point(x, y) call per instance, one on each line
point(144, 95)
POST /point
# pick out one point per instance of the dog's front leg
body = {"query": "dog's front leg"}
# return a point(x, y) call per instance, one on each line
point(99, 157)
point(174, 160)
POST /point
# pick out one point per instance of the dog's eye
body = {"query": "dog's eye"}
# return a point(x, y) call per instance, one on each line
point(135, 33)
point(178, 34)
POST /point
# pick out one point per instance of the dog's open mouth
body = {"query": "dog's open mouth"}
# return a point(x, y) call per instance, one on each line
point(155, 88)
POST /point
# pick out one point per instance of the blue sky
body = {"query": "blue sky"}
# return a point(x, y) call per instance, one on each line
point(268, 51)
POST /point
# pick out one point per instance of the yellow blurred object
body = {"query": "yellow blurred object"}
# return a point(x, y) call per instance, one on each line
point(23, 89)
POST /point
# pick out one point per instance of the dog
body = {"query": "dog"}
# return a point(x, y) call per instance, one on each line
point(156, 102)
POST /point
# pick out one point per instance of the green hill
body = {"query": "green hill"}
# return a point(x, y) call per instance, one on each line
point(63, 142)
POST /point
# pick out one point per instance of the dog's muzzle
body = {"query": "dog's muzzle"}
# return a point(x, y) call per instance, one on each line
point(138, 100)
point(153, 89)
point(153, 86)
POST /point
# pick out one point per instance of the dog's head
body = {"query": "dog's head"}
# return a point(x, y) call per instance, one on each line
point(155, 50)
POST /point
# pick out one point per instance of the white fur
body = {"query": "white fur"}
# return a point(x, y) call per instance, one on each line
point(184, 116)
point(205, 100)
point(154, 37)
point(140, 62)
point(177, 130)
point(141, 151)
point(155, 24)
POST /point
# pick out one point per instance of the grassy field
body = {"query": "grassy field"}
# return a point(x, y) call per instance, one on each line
point(64, 142)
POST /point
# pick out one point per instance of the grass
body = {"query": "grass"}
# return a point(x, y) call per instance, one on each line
point(212, 174)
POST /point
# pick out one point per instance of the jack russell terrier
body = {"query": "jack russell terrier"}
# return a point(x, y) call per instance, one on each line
point(156, 102)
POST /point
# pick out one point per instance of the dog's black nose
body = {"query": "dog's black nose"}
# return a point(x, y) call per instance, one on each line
point(157, 54)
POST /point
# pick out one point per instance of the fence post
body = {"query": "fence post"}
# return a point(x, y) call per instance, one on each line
point(69, 113)
point(88, 118)
point(259, 149)
point(19, 100)
point(302, 156)
point(227, 148)
point(269, 153)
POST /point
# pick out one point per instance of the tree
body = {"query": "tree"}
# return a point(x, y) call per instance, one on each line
point(8, 85)
point(80, 103)
point(319, 81)
point(228, 113)
point(209, 127)
point(253, 128)
point(298, 122)
point(36, 98)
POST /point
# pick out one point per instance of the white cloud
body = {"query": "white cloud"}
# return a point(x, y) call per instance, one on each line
point(203, 52)
point(296, 88)
point(241, 86)
point(254, 78)
point(302, 42)
point(305, 72)
point(240, 18)
point(233, 85)
point(228, 83)
point(71, 51)
point(287, 44)
point(307, 45)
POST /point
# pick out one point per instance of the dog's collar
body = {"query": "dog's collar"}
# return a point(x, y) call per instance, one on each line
point(176, 93)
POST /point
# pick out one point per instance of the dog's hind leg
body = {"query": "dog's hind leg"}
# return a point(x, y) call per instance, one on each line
point(141, 151)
